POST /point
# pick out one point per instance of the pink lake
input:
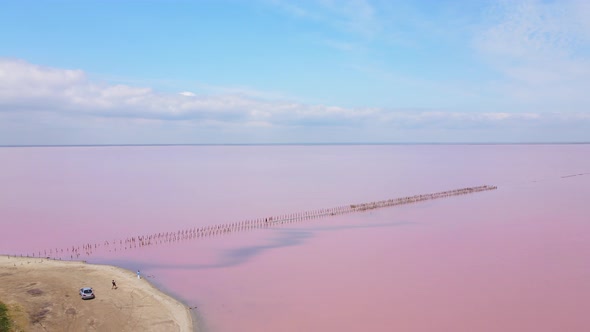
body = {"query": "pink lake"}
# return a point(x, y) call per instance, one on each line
point(512, 259)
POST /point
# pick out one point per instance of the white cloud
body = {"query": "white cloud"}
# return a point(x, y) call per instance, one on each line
point(354, 16)
point(51, 105)
point(541, 50)
point(292, 8)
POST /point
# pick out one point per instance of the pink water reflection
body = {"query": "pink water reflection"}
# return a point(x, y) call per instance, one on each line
point(511, 260)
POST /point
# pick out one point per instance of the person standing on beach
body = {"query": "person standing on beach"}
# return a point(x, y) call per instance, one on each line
point(138, 276)
point(114, 285)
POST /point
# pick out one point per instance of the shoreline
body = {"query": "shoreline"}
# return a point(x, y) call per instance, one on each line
point(42, 294)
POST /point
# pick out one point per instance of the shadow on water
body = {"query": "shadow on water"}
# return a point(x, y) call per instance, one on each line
point(237, 256)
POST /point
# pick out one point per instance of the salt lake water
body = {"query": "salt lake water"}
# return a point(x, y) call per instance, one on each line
point(512, 259)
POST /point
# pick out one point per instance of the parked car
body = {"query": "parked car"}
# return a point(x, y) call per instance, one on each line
point(86, 293)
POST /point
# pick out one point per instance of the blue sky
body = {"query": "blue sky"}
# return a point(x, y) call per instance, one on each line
point(274, 71)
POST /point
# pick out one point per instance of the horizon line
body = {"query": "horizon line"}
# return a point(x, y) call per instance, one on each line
point(284, 144)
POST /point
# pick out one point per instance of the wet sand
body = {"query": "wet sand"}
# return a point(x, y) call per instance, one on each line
point(42, 295)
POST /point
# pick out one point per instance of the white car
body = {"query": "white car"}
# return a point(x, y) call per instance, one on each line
point(86, 293)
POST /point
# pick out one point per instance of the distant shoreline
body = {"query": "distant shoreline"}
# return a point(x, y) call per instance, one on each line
point(43, 294)
point(287, 144)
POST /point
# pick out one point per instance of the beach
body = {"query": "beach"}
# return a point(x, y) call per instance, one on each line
point(43, 295)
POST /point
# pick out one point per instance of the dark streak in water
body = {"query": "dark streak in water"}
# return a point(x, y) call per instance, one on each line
point(572, 175)
point(238, 256)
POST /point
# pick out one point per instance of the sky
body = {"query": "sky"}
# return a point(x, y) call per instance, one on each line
point(308, 71)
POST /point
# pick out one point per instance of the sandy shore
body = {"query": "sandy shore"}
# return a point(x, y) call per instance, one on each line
point(42, 295)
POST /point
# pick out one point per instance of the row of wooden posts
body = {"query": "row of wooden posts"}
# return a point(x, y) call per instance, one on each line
point(84, 250)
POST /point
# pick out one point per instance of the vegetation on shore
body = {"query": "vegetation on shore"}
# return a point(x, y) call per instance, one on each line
point(5, 324)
